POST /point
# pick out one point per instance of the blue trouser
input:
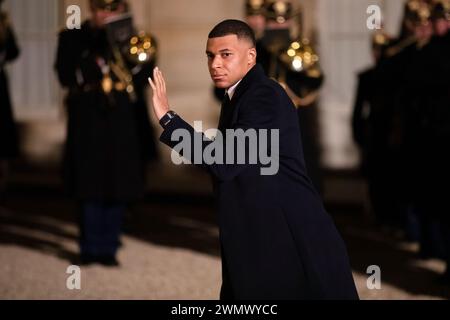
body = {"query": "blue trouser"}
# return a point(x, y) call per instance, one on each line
point(100, 228)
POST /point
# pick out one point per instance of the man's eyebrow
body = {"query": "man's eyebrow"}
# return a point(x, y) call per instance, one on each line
point(220, 51)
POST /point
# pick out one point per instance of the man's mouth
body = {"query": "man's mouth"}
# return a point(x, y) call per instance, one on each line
point(218, 77)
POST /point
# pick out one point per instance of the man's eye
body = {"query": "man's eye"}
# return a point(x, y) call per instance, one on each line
point(226, 54)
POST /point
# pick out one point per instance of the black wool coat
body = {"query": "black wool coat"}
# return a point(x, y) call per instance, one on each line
point(277, 240)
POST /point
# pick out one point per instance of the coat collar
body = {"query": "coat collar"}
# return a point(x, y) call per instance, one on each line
point(254, 74)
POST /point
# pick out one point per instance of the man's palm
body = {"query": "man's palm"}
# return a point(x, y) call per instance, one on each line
point(160, 101)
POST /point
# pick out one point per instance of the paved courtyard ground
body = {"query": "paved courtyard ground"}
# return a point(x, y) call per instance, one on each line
point(170, 251)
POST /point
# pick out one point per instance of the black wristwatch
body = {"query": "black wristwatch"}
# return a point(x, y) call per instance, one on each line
point(165, 120)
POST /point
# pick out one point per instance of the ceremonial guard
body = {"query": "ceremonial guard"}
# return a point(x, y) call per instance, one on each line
point(367, 123)
point(288, 57)
point(390, 121)
point(105, 66)
point(429, 96)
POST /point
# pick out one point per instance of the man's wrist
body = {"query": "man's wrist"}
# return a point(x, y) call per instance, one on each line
point(167, 118)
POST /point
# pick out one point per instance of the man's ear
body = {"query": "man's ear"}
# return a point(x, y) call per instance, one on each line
point(252, 56)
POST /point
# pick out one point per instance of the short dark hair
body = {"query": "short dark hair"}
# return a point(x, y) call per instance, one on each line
point(237, 27)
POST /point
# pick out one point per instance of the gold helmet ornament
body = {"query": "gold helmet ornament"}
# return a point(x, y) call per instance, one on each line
point(300, 56)
point(417, 12)
point(380, 40)
point(440, 10)
point(254, 7)
point(279, 11)
point(142, 48)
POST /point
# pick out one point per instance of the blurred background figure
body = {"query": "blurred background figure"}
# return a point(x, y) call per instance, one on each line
point(369, 129)
point(401, 122)
point(440, 45)
point(387, 135)
point(9, 51)
point(288, 57)
point(254, 16)
point(430, 97)
point(362, 111)
point(366, 122)
point(105, 66)
point(409, 104)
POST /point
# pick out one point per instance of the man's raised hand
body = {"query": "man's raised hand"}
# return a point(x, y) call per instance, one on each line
point(160, 101)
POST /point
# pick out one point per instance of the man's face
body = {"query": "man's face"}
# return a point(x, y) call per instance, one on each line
point(423, 31)
point(100, 16)
point(229, 59)
point(257, 23)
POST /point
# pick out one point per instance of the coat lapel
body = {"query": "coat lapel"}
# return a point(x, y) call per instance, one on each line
point(253, 75)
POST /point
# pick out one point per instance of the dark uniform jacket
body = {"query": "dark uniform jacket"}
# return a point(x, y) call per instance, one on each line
point(108, 136)
point(429, 96)
point(301, 83)
point(278, 242)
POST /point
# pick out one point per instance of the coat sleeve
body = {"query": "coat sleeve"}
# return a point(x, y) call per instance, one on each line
point(258, 112)
point(67, 58)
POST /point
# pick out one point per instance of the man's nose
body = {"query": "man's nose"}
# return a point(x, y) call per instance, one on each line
point(216, 63)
